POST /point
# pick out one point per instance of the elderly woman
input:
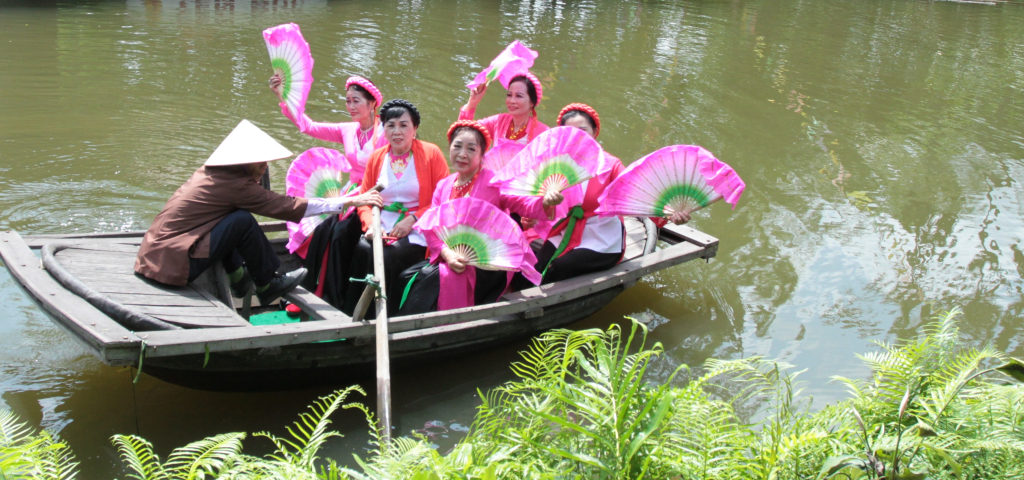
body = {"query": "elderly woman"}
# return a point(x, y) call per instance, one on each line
point(595, 243)
point(468, 141)
point(520, 124)
point(409, 170)
point(210, 219)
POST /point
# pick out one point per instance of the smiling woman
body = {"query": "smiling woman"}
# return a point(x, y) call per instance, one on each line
point(409, 169)
point(446, 270)
point(520, 124)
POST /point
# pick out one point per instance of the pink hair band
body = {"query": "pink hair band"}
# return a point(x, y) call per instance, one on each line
point(369, 86)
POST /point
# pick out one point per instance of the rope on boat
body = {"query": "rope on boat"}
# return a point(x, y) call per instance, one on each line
point(128, 317)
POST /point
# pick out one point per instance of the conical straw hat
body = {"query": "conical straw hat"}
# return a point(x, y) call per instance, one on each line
point(247, 144)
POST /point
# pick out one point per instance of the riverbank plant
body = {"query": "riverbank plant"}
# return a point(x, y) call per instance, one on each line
point(584, 406)
point(25, 453)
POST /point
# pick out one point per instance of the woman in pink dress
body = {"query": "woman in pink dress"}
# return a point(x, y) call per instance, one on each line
point(359, 138)
point(520, 124)
point(445, 270)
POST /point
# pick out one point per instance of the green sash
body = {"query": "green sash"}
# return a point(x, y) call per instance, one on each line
point(575, 214)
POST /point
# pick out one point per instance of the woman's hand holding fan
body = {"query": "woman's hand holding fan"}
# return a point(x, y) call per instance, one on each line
point(477, 234)
point(454, 260)
point(672, 182)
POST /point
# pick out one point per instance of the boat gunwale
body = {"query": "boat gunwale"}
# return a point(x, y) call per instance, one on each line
point(685, 244)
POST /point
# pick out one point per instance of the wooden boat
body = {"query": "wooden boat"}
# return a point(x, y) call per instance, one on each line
point(86, 282)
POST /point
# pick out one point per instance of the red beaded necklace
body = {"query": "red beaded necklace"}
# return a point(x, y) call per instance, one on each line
point(459, 191)
point(513, 134)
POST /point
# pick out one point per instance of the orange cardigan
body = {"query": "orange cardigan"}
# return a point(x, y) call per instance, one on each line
point(431, 168)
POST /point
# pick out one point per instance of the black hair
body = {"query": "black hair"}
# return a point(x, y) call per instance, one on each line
point(479, 136)
point(531, 89)
point(363, 91)
point(578, 113)
point(395, 108)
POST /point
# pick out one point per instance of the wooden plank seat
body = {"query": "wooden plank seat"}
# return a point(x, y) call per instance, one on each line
point(108, 268)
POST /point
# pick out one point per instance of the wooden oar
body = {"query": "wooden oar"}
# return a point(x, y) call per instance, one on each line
point(376, 286)
point(383, 353)
point(371, 288)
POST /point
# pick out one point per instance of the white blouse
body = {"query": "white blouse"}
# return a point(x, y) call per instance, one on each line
point(405, 190)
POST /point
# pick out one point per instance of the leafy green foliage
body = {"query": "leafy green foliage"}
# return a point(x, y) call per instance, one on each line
point(582, 407)
point(220, 456)
point(26, 454)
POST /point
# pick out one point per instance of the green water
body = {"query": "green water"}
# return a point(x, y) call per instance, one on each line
point(880, 141)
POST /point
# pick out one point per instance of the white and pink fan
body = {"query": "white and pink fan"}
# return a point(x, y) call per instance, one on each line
point(678, 178)
point(316, 173)
point(290, 58)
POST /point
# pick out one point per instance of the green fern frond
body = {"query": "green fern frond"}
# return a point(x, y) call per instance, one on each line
point(53, 460)
point(138, 454)
point(204, 457)
point(12, 430)
point(310, 431)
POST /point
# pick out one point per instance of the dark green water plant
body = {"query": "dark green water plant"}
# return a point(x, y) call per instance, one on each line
point(583, 407)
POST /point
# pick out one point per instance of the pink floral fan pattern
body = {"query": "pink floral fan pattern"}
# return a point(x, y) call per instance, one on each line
point(515, 59)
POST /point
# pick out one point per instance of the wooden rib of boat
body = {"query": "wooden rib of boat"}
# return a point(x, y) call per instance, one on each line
point(211, 346)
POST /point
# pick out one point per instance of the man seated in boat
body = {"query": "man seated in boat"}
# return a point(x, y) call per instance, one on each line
point(210, 219)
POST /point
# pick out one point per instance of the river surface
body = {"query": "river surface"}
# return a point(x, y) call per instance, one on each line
point(880, 141)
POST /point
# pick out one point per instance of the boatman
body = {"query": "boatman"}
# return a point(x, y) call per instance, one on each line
point(210, 219)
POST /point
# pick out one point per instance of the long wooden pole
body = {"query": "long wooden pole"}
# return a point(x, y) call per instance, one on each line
point(383, 353)
point(370, 291)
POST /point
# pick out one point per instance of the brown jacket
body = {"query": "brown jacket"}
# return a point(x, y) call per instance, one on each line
point(181, 230)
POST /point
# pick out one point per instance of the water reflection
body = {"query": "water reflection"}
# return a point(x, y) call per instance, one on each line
point(880, 141)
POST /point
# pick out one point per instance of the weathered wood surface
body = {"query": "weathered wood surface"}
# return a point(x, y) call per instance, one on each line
point(636, 238)
point(110, 341)
point(383, 352)
point(159, 300)
point(674, 234)
point(134, 236)
point(315, 306)
point(110, 269)
point(350, 357)
point(185, 342)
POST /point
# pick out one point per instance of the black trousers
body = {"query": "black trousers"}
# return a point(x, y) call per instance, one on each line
point(579, 261)
point(397, 257)
point(236, 240)
point(337, 239)
point(426, 287)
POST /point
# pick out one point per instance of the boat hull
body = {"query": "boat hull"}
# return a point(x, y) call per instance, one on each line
point(330, 363)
